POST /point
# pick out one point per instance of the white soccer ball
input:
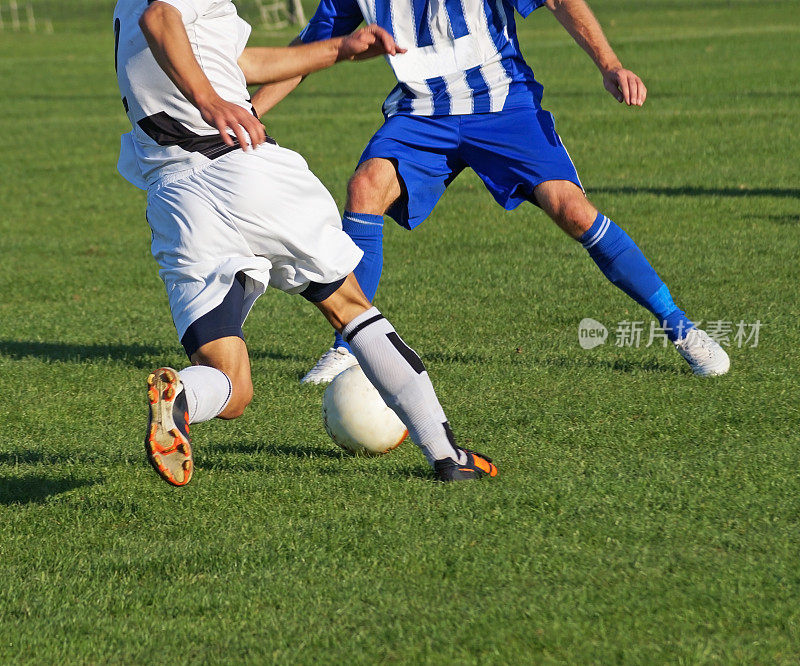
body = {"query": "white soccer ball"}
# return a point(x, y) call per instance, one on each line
point(357, 418)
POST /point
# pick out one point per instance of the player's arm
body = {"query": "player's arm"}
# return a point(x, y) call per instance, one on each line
point(581, 24)
point(268, 65)
point(162, 26)
point(268, 95)
point(332, 18)
point(283, 68)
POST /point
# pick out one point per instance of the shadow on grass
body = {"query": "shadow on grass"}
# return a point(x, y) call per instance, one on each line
point(242, 457)
point(35, 489)
point(50, 458)
point(226, 457)
point(293, 450)
point(624, 365)
point(779, 192)
point(777, 219)
point(134, 355)
point(415, 472)
point(139, 356)
point(29, 458)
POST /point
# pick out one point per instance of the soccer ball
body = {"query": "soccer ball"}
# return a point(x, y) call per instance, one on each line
point(357, 418)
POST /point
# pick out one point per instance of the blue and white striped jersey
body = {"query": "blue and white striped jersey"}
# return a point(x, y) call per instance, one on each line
point(463, 55)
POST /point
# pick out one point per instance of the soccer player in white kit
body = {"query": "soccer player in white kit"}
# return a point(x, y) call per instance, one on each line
point(231, 213)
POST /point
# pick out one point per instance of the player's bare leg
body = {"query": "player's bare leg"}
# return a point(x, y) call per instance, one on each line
point(403, 382)
point(623, 263)
point(567, 206)
point(229, 355)
point(372, 189)
point(217, 385)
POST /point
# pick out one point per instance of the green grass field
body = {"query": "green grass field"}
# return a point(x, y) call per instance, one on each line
point(641, 515)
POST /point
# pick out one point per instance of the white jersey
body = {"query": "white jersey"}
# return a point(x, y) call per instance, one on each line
point(169, 135)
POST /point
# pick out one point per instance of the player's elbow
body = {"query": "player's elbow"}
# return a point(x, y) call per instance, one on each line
point(245, 64)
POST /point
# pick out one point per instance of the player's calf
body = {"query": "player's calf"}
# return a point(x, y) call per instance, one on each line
point(218, 385)
point(229, 356)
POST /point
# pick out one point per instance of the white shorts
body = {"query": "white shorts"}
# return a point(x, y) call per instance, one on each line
point(262, 213)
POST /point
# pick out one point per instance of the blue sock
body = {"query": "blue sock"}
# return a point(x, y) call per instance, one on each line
point(367, 232)
point(623, 263)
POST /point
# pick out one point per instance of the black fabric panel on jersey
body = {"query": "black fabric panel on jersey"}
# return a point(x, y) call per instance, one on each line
point(166, 131)
point(316, 292)
point(223, 321)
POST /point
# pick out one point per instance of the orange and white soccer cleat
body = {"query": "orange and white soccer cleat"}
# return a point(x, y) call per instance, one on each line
point(167, 442)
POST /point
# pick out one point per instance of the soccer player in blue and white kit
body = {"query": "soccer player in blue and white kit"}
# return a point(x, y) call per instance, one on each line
point(232, 213)
point(466, 98)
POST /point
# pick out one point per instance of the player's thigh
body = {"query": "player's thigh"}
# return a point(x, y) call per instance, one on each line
point(423, 151)
point(515, 151)
point(374, 187)
point(205, 262)
point(189, 225)
point(286, 215)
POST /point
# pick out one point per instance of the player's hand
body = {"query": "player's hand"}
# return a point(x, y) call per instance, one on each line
point(625, 86)
point(226, 115)
point(368, 42)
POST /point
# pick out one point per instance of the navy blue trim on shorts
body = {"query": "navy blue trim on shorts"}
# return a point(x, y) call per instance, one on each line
point(316, 292)
point(223, 321)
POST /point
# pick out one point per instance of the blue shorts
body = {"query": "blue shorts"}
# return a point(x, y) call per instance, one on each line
point(512, 151)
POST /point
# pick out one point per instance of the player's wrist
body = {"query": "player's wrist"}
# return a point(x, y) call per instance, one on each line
point(609, 67)
point(204, 98)
point(341, 52)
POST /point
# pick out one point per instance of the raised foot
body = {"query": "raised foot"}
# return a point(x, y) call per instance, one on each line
point(167, 442)
point(331, 363)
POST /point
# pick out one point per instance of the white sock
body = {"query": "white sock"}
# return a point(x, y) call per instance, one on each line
point(207, 390)
point(401, 379)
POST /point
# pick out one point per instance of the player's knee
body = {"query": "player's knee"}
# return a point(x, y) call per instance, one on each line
point(241, 397)
point(362, 195)
point(574, 214)
point(372, 189)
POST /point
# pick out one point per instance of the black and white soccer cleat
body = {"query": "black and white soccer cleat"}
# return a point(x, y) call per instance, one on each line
point(477, 466)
